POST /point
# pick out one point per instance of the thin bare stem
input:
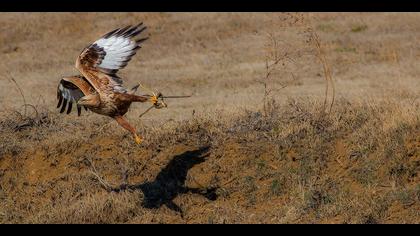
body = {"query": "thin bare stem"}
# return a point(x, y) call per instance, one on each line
point(20, 90)
point(326, 68)
point(94, 172)
point(146, 111)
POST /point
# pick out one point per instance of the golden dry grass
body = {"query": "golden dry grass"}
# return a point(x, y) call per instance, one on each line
point(220, 156)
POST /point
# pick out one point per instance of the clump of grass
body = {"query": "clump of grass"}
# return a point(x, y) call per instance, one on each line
point(359, 28)
point(276, 187)
point(406, 197)
point(366, 174)
point(325, 27)
point(250, 189)
point(314, 199)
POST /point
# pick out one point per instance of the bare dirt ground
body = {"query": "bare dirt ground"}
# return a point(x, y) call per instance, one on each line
point(228, 154)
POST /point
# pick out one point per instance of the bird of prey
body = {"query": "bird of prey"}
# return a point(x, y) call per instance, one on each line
point(99, 88)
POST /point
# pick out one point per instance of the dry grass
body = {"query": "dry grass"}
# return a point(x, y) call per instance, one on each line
point(236, 152)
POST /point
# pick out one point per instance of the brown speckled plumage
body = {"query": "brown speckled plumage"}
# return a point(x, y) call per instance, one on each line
point(98, 88)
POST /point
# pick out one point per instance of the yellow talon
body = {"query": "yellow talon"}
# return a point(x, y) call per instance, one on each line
point(154, 99)
point(138, 139)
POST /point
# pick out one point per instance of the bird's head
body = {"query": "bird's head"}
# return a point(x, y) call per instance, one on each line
point(90, 100)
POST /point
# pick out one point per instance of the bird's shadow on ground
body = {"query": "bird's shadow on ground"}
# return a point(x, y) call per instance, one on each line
point(170, 182)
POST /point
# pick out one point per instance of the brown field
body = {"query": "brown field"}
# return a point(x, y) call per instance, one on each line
point(230, 153)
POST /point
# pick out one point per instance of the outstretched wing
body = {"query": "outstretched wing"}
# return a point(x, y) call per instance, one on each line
point(70, 90)
point(101, 60)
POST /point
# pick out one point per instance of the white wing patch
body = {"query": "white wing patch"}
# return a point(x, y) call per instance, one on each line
point(118, 51)
point(119, 47)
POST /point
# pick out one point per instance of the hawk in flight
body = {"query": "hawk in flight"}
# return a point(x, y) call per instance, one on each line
point(99, 88)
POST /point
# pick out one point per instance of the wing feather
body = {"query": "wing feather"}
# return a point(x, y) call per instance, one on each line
point(112, 52)
point(70, 90)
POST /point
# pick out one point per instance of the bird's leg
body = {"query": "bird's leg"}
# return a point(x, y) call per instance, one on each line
point(124, 123)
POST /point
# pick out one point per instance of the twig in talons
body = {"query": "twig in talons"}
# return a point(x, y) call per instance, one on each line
point(173, 96)
point(183, 96)
point(158, 95)
point(144, 113)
